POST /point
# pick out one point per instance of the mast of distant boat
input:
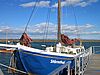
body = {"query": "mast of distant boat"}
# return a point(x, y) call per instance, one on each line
point(59, 21)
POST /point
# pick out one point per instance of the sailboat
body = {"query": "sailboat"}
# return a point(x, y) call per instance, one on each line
point(43, 62)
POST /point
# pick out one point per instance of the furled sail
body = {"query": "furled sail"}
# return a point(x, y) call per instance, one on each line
point(25, 39)
point(66, 40)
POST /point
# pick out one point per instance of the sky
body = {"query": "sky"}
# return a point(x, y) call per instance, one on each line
point(79, 18)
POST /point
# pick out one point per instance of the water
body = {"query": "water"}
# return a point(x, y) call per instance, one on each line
point(89, 44)
point(5, 57)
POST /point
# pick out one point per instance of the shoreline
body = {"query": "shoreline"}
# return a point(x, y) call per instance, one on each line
point(41, 40)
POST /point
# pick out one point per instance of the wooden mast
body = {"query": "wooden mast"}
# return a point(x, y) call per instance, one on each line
point(59, 21)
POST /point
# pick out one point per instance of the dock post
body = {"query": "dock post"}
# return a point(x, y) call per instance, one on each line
point(93, 50)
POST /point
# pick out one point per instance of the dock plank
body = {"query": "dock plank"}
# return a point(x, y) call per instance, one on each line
point(94, 65)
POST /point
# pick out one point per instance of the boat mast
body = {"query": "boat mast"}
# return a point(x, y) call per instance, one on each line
point(59, 21)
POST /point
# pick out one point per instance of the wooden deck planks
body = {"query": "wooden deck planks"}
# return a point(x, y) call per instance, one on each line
point(94, 65)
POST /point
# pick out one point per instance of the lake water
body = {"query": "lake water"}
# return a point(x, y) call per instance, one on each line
point(5, 57)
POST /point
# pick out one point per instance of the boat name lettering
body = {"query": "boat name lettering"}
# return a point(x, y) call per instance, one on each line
point(58, 62)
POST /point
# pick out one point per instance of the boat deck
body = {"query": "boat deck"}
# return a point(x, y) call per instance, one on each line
point(94, 65)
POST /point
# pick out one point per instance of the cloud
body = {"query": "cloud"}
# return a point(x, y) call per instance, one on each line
point(92, 1)
point(38, 4)
point(81, 3)
point(51, 28)
point(8, 29)
point(65, 28)
point(0, 30)
point(70, 30)
point(66, 3)
point(74, 29)
point(37, 31)
point(88, 2)
point(89, 33)
point(5, 29)
point(43, 27)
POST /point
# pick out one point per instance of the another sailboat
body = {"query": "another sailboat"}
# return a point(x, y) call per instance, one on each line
point(43, 62)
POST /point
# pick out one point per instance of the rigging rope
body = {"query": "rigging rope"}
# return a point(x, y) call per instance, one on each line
point(64, 10)
point(25, 39)
point(76, 22)
point(78, 35)
point(33, 10)
point(75, 17)
point(47, 23)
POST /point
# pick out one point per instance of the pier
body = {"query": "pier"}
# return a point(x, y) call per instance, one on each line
point(93, 62)
point(94, 65)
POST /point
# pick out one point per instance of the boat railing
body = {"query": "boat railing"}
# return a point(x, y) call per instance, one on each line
point(81, 61)
point(84, 57)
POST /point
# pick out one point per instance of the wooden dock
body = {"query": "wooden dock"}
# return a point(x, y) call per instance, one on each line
point(93, 67)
